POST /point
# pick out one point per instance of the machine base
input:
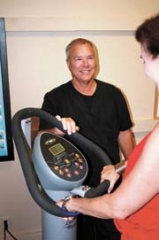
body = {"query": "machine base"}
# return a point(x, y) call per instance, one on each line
point(56, 228)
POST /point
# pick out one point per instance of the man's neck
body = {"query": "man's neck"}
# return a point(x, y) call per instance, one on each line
point(85, 88)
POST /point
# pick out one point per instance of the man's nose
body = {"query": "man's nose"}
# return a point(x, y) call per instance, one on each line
point(85, 62)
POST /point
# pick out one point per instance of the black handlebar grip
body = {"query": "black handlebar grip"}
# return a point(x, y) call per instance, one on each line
point(101, 189)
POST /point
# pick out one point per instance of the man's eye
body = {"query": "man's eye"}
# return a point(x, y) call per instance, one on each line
point(77, 59)
point(91, 57)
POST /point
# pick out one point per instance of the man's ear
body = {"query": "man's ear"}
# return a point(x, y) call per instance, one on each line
point(68, 63)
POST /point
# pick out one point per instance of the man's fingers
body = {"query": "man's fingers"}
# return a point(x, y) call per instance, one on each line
point(68, 124)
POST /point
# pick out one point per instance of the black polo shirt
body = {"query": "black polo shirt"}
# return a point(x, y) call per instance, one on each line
point(100, 117)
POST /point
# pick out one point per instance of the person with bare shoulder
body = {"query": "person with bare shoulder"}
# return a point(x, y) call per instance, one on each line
point(134, 205)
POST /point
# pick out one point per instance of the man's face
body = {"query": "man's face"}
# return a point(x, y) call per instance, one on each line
point(82, 62)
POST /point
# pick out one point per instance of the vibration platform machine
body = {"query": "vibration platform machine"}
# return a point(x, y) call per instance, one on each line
point(55, 168)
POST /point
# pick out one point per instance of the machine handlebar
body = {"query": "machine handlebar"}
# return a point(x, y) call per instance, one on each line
point(25, 156)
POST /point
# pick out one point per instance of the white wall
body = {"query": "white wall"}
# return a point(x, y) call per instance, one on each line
point(37, 33)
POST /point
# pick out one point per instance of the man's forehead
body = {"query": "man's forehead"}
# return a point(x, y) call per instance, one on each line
point(79, 48)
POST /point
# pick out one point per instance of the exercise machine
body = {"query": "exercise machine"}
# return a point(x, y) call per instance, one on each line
point(55, 168)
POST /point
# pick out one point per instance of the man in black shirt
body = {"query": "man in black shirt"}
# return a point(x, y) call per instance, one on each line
point(99, 111)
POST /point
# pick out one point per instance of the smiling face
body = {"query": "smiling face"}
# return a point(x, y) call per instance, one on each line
point(151, 65)
point(82, 62)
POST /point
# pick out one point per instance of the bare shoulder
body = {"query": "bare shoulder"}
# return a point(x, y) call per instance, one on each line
point(153, 140)
point(150, 153)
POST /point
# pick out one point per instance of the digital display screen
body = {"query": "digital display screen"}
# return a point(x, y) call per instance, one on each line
point(56, 149)
point(6, 143)
point(3, 140)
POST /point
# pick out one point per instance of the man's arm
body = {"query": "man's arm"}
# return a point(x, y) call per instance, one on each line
point(126, 142)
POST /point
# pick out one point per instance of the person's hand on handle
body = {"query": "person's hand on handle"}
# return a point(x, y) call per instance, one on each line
point(112, 173)
point(68, 124)
point(109, 173)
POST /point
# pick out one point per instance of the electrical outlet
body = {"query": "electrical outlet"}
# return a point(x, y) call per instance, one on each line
point(3, 219)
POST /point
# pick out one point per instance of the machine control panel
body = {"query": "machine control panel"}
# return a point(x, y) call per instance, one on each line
point(62, 157)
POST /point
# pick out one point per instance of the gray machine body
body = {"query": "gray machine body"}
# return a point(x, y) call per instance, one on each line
point(61, 168)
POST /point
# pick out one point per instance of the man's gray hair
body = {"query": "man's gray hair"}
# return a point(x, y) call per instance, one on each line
point(77, 41)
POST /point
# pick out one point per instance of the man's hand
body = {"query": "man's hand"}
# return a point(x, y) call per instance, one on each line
point(68, 124)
